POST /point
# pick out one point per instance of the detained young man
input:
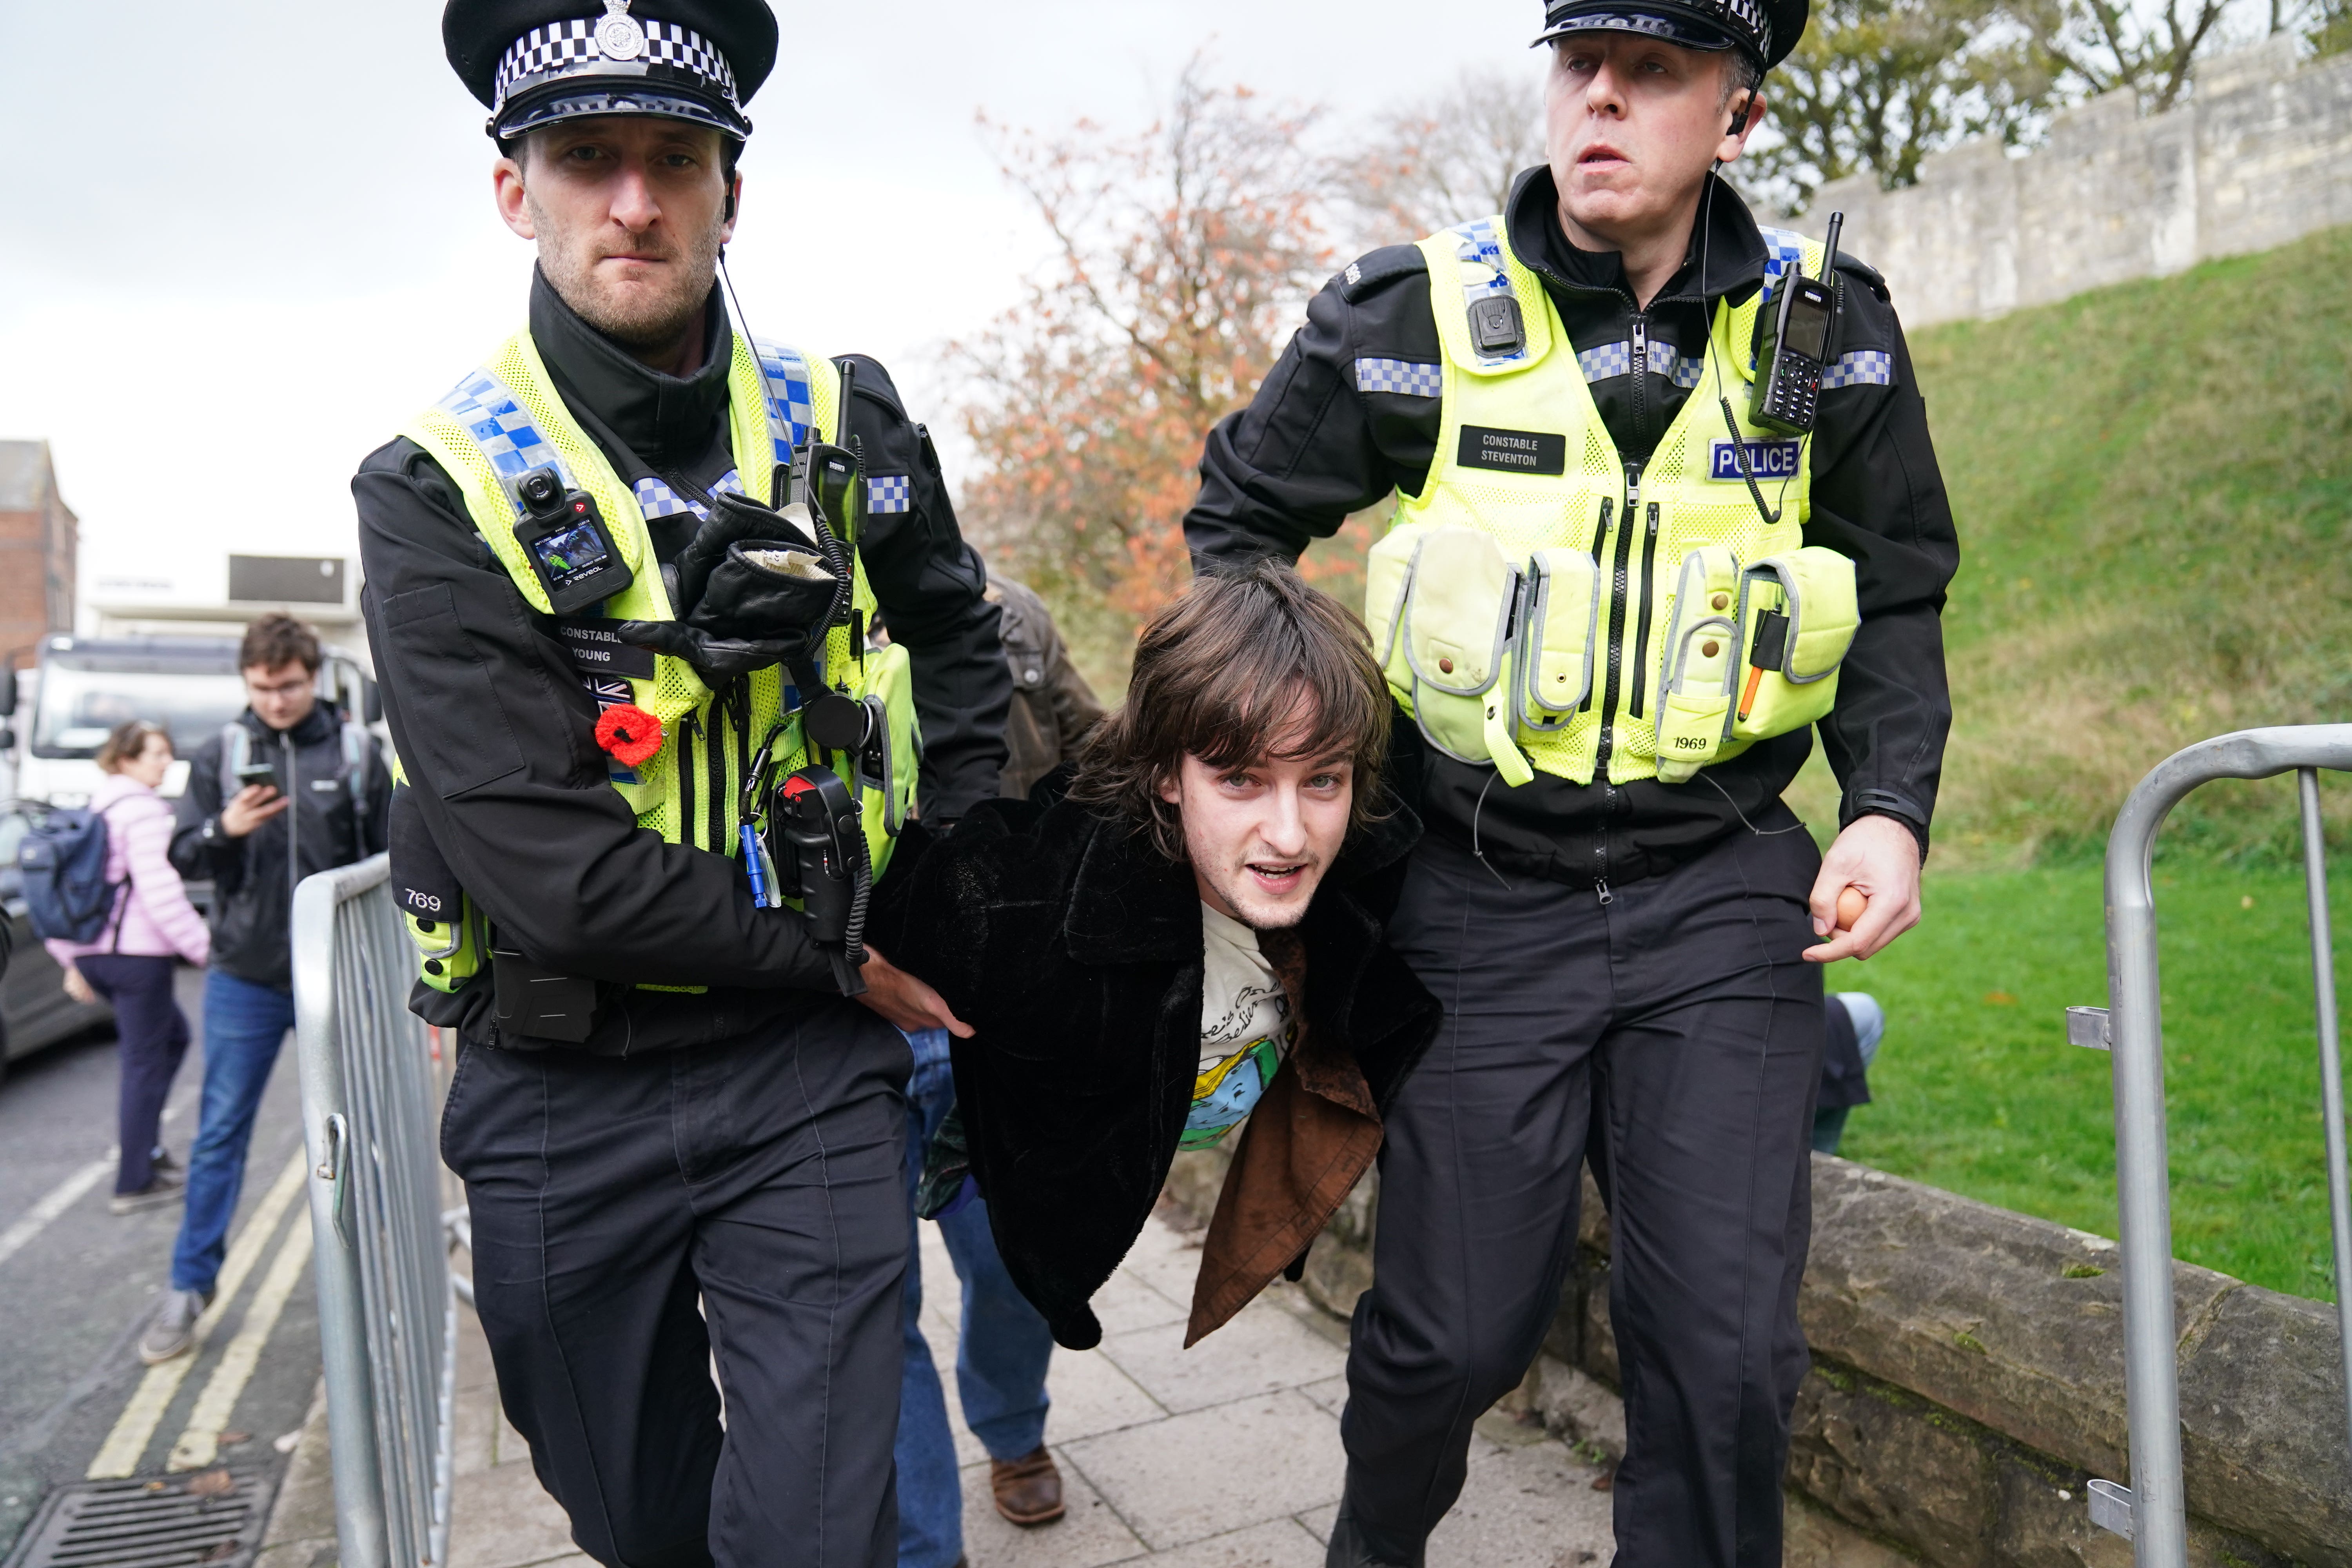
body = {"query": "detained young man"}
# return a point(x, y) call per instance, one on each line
point(1182, 933)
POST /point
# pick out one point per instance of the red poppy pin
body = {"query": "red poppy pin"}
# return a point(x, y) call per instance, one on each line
point(629, 732)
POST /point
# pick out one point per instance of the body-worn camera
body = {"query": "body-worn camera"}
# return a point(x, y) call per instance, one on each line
point(570, 548)
point(1786, 396)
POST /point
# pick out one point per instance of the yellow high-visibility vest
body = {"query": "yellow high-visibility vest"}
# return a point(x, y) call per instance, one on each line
point(1540, 600)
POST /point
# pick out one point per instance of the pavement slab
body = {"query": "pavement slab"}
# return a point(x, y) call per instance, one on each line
point(502, 1518)
point(1225, 1456)
point(1211, 1471)
point(1257, 1352)
point(1279, 1543)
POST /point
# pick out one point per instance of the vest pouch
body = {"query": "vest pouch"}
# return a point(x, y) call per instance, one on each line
point(449, 933)
point(1456, 636)
point(1800, 614)
point(448, 951)
point(886, 770)
point(1694, 661)
point(1560, 609)
point(1699, 665)
point(1388, 572)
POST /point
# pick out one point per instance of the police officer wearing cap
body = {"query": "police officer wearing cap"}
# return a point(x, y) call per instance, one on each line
point(620, 580)
point(1621, 591)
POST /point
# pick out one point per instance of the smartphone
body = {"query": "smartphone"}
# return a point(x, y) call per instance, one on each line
point(258, 773)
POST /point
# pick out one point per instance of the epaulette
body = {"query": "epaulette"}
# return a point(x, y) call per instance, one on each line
point(1863, 272)
point(1370, 271)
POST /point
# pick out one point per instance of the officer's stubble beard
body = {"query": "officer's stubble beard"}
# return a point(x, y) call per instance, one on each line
point(654, 324)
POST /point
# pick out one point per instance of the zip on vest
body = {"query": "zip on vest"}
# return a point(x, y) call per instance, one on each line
point(1608, 741)
point(1617, 590)
point(1599, 543)
point(717, 843)
point(1640, 334)
point(688, 732)
point(1641, 384)
point(1642, 631)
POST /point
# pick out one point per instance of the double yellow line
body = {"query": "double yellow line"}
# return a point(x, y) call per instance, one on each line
point(199, 1443)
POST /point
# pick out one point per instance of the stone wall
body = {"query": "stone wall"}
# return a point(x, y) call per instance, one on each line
point(1968, 1383)
point(2258, 153)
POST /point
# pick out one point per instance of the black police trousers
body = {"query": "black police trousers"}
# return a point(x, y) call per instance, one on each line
point(1672, 1036)
point(636, 1218)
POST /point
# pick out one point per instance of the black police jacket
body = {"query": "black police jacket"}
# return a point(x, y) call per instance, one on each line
point(1311, 449)
point(496, 732)
point(253, 886)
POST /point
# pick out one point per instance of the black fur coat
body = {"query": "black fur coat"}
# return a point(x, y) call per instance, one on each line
point(1074, 950)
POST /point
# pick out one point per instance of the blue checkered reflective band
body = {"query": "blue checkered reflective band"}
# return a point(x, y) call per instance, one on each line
point(1783, 250)
point(1617, 359)
point(1480, 246)
point(792, 408)
point(1409, 377)
point(496, 419)
point(656, 500)
point(890, 492)
point(1606, 360)
point(1863, 367)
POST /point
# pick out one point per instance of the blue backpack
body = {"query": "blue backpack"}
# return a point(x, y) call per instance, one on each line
point(63, 859)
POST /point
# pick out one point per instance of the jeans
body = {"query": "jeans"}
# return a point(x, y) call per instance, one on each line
point(1869, 1029)
point(244, 1024)
point(151, 1035)
point(1000, 1359)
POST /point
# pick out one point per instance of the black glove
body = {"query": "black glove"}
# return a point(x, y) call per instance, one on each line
point(733, 519)
point(745, 601)
point(719, 659)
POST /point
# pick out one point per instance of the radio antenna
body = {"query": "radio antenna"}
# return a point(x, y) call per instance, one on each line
point(1829, 254)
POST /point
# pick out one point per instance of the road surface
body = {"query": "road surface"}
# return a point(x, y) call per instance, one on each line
point(78, 1283)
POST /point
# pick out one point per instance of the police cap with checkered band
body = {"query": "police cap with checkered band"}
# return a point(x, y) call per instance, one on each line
point(534, 62)
point(1764, 30)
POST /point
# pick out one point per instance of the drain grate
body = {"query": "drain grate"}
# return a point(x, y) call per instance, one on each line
point(211, 1518)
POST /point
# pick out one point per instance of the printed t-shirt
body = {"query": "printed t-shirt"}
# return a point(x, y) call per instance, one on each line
point(1245, 1028)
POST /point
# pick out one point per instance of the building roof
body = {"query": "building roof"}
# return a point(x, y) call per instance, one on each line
point(25, 474)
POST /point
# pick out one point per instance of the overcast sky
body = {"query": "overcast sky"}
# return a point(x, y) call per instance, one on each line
point(243, 239)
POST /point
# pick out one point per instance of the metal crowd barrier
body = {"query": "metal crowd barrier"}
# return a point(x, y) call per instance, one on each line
point(387, 1312)
point(2153, 1510)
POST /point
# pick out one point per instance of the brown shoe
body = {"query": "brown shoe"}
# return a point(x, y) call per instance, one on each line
point(1028, 1489)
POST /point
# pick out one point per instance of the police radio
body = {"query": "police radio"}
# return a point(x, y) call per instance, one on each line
point(824, 864)
point(570, 550)
point(1796, 333)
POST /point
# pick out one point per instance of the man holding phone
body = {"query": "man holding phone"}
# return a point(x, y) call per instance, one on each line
point(291, 787)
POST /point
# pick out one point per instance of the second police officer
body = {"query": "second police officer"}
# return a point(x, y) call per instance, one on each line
point(1617, 602)
point(619, 583)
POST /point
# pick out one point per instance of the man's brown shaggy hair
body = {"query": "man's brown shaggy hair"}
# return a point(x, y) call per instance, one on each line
point(278, 638)
point(1225, 673)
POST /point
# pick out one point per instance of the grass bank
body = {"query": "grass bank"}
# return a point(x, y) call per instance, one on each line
point(2152, 483)
point(1977, 1092)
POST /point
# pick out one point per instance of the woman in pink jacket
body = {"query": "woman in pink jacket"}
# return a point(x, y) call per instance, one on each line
point(130, 963)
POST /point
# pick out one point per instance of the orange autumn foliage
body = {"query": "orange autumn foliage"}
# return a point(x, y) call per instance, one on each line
point(1182, 257)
